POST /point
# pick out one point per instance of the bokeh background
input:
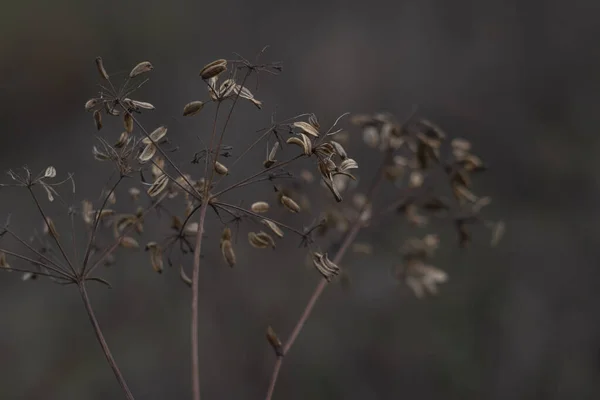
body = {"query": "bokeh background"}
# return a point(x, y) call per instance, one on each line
point(519, 78)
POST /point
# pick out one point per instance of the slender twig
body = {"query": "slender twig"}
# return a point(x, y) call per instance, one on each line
point(102, 341)
point(50, 231)
point(195, 289)
point(98, 216)
point(347, 242)
point(37, 253)
point(253, 214)
point(248, 180)
point(39, 263)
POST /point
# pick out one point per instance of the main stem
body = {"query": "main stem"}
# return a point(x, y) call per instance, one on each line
point(348, 240)
point(195, 284)
point(102, 341)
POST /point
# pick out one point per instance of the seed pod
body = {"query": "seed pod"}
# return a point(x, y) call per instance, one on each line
point(158, 186)
point(290, 204)
point(325, 266)
point(128, 242)
point(339, 149)
point(226, 235)
point(49, 227)
point(274, 227)
point(3, 263)
point(192, 108)
point(260, 207)
point(101, 70)
point(259, 242)
point(228, 253)
point(220, 168)
point(123, 140)
point(50, 172)
point(147, 153)
point(268, 163)
point(98, 119)
point(213, 69)
point(265, 237)
point(155, 256)
point(141, 68)
point(128, 122)
point(306, 128)
point(91, 103)
point(274, 342)
point(142, 104)
point(186, 279)
point(156, 135)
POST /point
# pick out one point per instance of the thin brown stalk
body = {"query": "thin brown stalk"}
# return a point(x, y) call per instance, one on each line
point(88, 249)
point(102, 341)
point(52, 268)
point(51, 232)
point(347, 242)
point(195, 289)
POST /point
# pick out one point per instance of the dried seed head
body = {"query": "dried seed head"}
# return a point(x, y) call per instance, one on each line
point(123, 140)
point(141, 68)
point(307, 128)
point(98, 119)
point(303, 141)
point(213, 69)
point(101, 69)
point(325, 266)
point(290, 204)
point(228, 253)
point(128, 122)
point(220, 168)
point(260, 207)
point(192, 108)
point(422, 278)
point(158, 186)
point(371, 136)
point(274, 227)
point(312, 119)
point(274, 342)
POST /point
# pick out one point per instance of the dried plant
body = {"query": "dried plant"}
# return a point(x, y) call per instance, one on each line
point(421, 176)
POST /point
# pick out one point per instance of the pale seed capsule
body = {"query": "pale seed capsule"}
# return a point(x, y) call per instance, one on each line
point(141, 68)
point(228, 253)
point(220, 168)
point(290, 204)
point(260, 207)
point(213, 69)
point(101, 69)
point(192, 108)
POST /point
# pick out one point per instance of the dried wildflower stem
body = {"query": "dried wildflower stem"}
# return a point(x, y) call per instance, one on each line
point(161, 151)
point(195, 289)
point(88, 249)
point(102, 341)
point(117, 241)
point(347, 242)
point(37, 253)
point(248, 180)
point(51, 231)
point(60, 272)
point(223, 206)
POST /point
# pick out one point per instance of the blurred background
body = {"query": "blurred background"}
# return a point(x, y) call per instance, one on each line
point(519, 79)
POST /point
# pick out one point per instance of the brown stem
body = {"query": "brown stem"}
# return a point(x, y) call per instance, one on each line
point(348, 240)
point(194, 323)
point(102, 341)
